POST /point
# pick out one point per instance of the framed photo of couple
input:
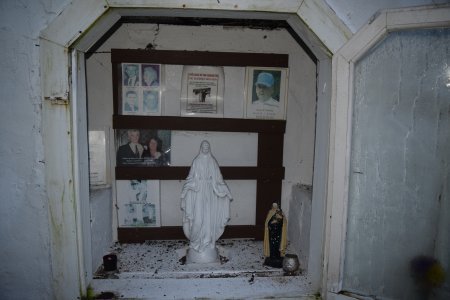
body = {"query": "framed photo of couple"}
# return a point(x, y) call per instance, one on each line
point(143, 147)
point(141, 89)
point(266, 93)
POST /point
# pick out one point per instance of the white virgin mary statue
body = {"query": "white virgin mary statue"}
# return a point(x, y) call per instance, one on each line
point(205, 201)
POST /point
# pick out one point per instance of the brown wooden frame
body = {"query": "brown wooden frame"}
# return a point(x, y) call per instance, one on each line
point(269, 171)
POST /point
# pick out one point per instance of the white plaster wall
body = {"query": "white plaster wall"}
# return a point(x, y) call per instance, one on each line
point(101, 224)
point(24, 229)
point(299, 225)
point(300, 128)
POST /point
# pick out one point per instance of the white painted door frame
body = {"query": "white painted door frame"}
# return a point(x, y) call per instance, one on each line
point(81, 165)
point(341, 120)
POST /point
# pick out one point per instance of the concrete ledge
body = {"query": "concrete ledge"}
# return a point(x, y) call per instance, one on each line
point(296, 287)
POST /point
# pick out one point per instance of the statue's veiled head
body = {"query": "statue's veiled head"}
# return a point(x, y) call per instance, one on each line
point(205, 148)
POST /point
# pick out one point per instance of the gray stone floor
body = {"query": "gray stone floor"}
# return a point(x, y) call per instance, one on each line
point(156, 270)
point(164, 259)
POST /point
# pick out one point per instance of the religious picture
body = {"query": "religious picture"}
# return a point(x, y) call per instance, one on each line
point(202, 91)
point(143, 147)
point(138, 203)
point(141, 89)
point(266, 93)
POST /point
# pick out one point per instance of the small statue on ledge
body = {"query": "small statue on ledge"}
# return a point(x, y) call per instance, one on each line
point(275, 228)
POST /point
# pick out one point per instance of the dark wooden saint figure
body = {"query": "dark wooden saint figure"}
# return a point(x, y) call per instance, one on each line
point(275, 237)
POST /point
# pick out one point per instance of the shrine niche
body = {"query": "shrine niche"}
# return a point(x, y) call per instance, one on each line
point(268, 171)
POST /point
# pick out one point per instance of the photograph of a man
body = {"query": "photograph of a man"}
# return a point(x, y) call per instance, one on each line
point(130, 153)
point(266, 93)
point(151, 101)
point(150, 75)
point(265, 89)
point(131, 102)
point(130, 75)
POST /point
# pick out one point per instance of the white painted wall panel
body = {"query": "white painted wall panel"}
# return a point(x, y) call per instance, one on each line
point(399, 168)
point(356, 13)
point(101, 224)
point(251, 5)
point(241, 208)
point(229, 148)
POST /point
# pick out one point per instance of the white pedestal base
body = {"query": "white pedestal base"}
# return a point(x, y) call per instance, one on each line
point(210, 255)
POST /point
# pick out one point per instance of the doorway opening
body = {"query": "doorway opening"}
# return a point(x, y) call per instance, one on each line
point(157, 34)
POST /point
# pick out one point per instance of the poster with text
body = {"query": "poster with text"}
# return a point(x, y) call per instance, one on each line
point(138, 203)
point(202, 91)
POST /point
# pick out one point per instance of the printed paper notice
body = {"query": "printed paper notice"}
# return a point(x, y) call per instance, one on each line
point(202, 91)
point(97, 158)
